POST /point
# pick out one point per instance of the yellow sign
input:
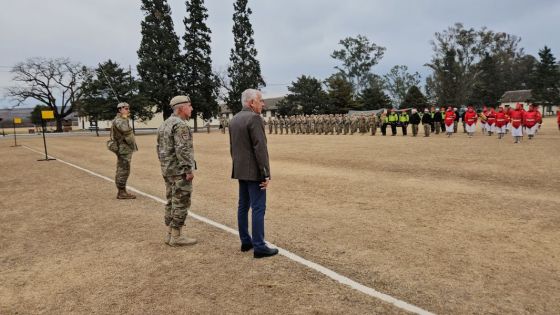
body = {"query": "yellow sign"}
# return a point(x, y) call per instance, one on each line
point(47, 114)
point(17, 120)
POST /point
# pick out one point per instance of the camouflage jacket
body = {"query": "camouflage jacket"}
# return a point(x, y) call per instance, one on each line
point(175, 147)
point(122, 133)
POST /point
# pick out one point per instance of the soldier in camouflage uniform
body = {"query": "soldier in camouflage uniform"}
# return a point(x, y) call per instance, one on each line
point(123, 135)
point(176, 157)
point(352, 124)
point(346, 123)
point(373, 124)
point(226, 124)
point(270, 123)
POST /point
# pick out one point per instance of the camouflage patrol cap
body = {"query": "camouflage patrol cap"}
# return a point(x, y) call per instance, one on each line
point(123, 104)
point(179, 99)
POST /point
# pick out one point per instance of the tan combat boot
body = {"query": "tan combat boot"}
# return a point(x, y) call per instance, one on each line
point(167, 236)
point(180, 240)
point(123, 194)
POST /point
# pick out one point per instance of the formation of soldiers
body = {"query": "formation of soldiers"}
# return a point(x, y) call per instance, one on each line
point(434, 120)
point(323, 124)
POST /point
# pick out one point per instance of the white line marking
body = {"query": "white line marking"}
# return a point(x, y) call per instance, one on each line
point(327, 272)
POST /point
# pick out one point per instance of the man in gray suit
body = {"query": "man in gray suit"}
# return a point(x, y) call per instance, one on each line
point(251, 168)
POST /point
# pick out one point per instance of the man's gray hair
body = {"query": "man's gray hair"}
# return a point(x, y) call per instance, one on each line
point(248, 95)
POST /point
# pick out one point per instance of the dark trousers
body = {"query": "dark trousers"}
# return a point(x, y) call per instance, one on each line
point(384, 128)
point(251, 196)
point(394, 129)
point(404, 127)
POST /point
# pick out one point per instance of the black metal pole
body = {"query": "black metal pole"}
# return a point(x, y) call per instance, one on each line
point(43, 123)
point(15, 137)
point(44, 140)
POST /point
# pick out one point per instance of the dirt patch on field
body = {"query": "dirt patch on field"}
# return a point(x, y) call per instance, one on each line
point(67, 246)
point(453, 225)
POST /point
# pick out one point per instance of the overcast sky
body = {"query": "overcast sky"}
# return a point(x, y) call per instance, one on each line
point(292, 37)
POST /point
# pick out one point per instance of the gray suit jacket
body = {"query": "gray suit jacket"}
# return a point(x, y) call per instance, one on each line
point(247, 143)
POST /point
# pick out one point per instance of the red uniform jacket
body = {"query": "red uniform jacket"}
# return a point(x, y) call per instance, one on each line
point(530, 119)
point(491, 117)
point(539, 117)
point(470, 118)
point(558, 115)
point(501, 119)
point(449, 118)
point(516, 118)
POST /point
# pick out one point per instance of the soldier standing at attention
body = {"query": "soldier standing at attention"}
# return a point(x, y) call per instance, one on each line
point(281, 124)
point(269, 125)
point(176, 157)
point(226, 123)
point(384, 122)
point(393, 119)
point(373, 124)
point(427, 122)
point(275, 123)
point(415, 121)
point(404, 120)
point(123, 135)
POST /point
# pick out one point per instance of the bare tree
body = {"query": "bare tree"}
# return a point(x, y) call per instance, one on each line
point(56, 83)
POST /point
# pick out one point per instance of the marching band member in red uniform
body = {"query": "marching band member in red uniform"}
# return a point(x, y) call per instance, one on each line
point(501, 122)
point(449, 121)
point(539, 119)
point(470, 121)
point(530, 119)
point(490, 120)
point(516, 118)
point(483, 119)
point(508, 111)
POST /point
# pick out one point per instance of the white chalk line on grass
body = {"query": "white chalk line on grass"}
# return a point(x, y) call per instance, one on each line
point(321, 269)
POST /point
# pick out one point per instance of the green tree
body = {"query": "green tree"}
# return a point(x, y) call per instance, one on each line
point(545, 81)
point(306, 96)
point(199, 82)
point(398, 81)
point(373, 96)
point(244, 70)
point(358, 56)
point(468, 47)
point(415, 98)
point(110, 85)
point(443, 84)
point(159, 57)
point(488, 87)
point(56, 83)
point(340, 95)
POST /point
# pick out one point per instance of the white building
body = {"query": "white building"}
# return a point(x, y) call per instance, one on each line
point(523, 97)
point(270, 108)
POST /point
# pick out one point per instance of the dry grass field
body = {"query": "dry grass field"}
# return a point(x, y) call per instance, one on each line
point(454, 226)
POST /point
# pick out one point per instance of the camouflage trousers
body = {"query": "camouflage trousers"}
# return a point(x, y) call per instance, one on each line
point(178, 192)
point(123, 170)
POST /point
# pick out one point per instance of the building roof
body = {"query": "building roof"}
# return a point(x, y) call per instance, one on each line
point(518, 96)
point(269, 104)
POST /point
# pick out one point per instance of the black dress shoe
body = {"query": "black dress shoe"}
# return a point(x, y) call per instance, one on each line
point(265, 253)
point(246, 247)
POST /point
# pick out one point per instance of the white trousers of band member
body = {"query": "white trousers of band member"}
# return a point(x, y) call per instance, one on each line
point(449, 128)
point(516, 132)
point(484, 126)
point(471, 128)
point(491, 127)
point(531, 131)
point(501, 129)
